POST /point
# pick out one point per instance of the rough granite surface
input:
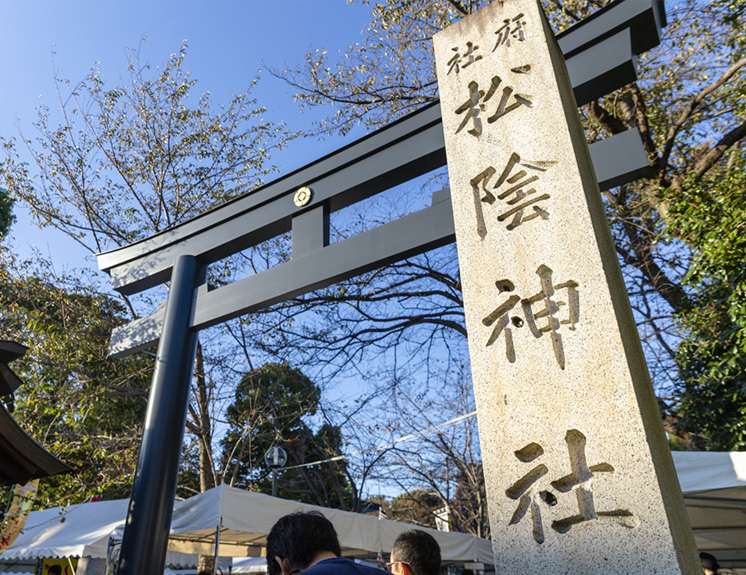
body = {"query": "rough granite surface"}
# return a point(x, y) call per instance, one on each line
point(578, 472)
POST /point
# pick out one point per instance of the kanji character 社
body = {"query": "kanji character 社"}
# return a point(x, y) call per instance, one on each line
point(527, 491)
point(579, 480)
point(457, 61)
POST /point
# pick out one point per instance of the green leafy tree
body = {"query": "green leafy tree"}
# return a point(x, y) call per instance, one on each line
point(711, 217)
point(131, 160)
point(6, 212)
point(422, 442)
point(83, 407)
point(273, 406)
point(417, 507)
point(119, 162)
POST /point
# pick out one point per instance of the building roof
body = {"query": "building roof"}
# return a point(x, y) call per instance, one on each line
point(23, 458)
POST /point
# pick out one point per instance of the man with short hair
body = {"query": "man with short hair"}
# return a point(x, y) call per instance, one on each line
point(415, 552)
point(307, 542)
point(709, 564)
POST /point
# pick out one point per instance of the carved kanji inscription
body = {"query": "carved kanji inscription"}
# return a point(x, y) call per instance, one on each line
point(531, 498)
point(544, 320)
point(515, 189)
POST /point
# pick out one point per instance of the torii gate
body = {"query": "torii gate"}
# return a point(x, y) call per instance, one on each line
point(600, 54)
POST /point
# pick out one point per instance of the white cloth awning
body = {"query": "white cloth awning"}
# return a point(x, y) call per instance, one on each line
point(76, 531)
point(714, 486)
point(249, 565)
point(246, 518)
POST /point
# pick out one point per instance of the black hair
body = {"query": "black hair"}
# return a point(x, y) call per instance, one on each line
point(419, 551)
point(709, 562)
point(298, 537)
point(54, 570)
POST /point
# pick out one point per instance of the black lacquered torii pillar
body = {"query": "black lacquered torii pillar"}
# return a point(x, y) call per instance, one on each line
point(151, 503)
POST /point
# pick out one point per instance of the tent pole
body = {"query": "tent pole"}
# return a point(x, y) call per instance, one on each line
point(217, 548)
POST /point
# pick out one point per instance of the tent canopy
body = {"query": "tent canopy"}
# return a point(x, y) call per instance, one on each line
point(714, 486)
point(245, 518)
point(78, 531)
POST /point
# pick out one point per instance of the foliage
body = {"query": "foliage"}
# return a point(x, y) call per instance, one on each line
point(416, 507)
point(136, 159)
point(434, 465)
point(272, 407)
point(83, 407)
point(6, 212)
point(409, 313)
point(389, 74)
point(711, 218)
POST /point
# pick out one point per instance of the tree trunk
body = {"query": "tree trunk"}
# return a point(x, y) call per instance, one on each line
point(204, 437)
point(205, 563)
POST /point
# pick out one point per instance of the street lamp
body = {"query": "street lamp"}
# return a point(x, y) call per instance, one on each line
point(275, 459)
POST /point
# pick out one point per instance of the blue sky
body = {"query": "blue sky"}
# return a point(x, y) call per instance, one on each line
point(228, 41)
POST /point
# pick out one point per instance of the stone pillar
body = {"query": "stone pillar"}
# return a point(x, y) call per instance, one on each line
point(579, 475)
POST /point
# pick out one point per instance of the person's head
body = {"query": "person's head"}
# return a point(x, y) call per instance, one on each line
point(296, 539)
point(709, 564)
point(54, 570)
point(415, 553)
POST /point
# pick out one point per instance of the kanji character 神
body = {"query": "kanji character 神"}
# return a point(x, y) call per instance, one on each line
point(503, 322)
point(501, 316)
point(551, 309)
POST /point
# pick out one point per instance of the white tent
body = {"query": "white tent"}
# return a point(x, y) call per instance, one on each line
point(84, 530)
point(249, 565)
point(245, 518)
point(76, 531)
point(714, 486)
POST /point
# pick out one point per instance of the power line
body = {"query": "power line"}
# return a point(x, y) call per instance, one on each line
point(384, 446)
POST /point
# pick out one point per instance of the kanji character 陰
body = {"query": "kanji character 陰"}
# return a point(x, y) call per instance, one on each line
point(516, 186)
